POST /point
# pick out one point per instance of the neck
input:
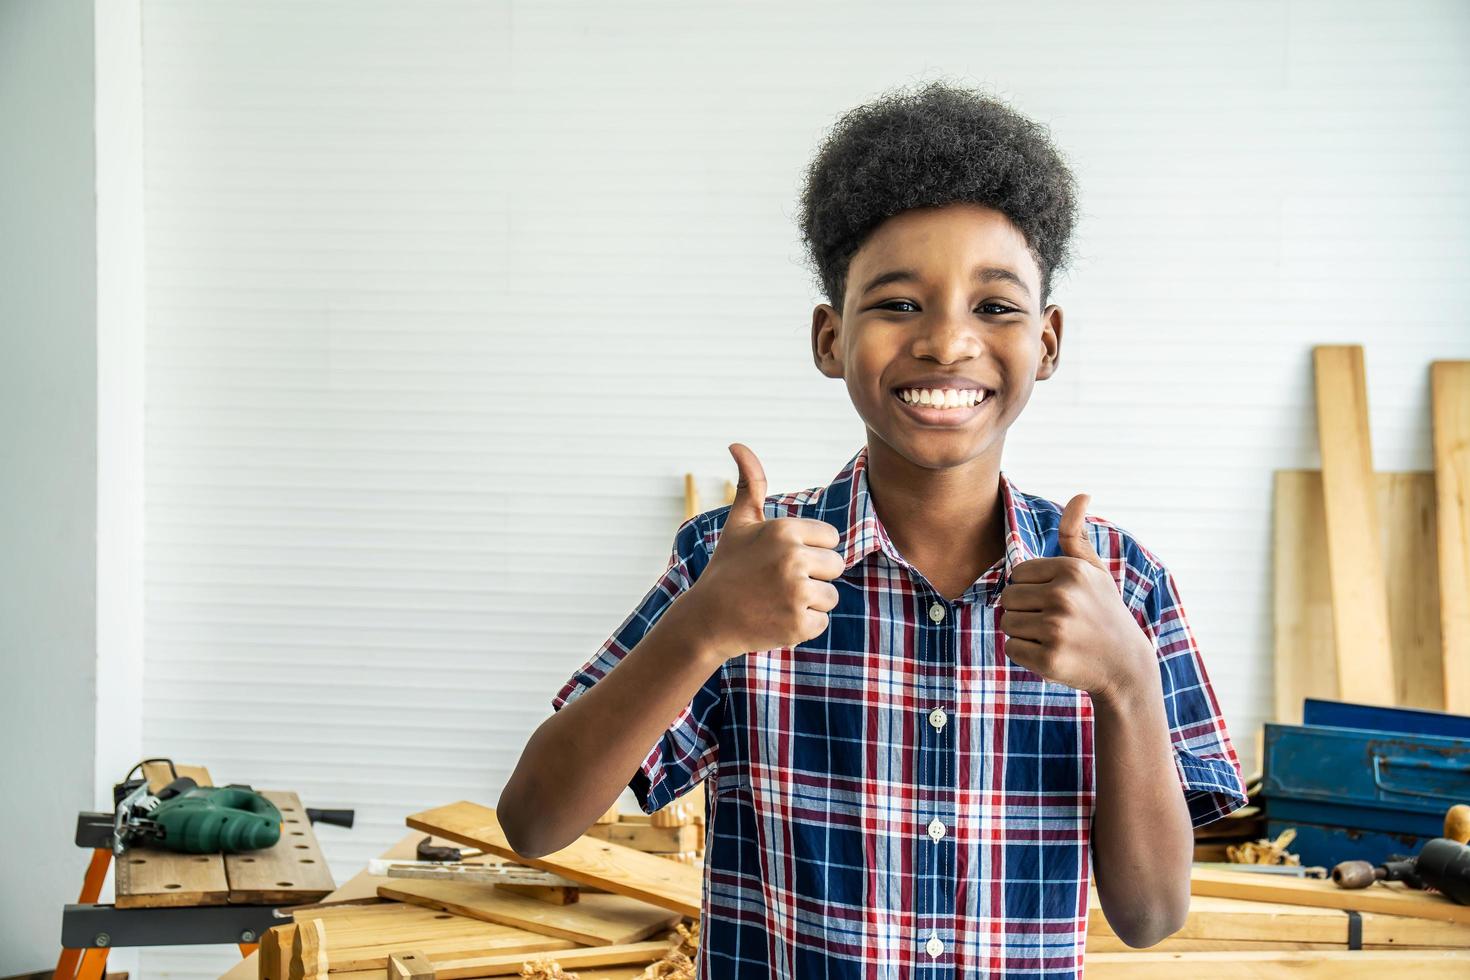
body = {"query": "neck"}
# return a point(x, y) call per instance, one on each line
point(947, 517)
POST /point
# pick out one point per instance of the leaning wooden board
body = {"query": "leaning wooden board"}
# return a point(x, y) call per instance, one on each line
point(618, 869)
point(1449, 383)
point(1322, 893)
point(1306, 660)
point(1354, 552)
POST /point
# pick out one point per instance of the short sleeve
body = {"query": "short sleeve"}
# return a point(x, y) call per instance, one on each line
point(686, 752)
point(1203, 754)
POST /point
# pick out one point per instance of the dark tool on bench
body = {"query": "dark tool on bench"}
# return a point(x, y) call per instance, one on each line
point(184, 816)
point(1443, 865)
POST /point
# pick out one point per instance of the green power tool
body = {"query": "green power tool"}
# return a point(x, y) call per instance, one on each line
point(184, 816)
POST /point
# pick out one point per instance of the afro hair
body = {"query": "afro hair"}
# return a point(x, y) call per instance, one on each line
point(940, 145)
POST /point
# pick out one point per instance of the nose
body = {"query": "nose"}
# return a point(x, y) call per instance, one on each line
point(946, 336)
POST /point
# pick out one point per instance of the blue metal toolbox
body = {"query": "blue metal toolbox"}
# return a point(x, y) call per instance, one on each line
point(1360, 782)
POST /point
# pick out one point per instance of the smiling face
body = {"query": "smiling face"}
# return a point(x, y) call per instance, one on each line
point(940, 302)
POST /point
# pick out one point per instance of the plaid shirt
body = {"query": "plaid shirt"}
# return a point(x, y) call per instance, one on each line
point(894, 798)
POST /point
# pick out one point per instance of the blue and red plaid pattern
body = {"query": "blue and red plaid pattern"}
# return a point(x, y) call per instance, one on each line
point(856, 832)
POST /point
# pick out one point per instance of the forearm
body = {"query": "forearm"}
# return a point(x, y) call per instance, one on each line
point(578, 761)
point(1143, 842)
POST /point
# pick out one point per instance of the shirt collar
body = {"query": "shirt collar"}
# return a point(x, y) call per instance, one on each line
point(847, 505)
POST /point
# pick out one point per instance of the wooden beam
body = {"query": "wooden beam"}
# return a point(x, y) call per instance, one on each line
point(1354, 554)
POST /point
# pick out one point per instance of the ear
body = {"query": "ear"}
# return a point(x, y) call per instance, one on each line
point(1051, 342)
point(826, 352)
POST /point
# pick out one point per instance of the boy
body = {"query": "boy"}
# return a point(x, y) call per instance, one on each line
point(921, 697)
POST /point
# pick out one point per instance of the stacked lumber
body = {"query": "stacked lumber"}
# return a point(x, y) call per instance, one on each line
point(675, 832)
point(636, 916)
point(614, 913)
point(1361, 614)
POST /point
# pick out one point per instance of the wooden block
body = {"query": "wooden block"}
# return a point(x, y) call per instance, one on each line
point(1305, 657)
point(611, 816)
point(413, 965)
point(1354, 553)
point(553, 894)
point(1382, 897)
point(587, 860)
point(151, 878)
point(1263, 965)
point(292, 871)
point(273, 961)
point(1450, 398)
point(596, 920)
point(649, 838)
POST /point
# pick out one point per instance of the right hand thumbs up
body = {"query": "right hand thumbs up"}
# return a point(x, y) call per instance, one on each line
point(768, 583)
point(749, 505)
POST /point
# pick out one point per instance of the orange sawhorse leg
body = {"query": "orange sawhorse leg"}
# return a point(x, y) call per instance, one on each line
point(66, 965)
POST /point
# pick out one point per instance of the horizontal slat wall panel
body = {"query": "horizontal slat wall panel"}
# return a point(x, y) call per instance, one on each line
point(445, 297)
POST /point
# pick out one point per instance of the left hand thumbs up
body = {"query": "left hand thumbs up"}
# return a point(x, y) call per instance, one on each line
point(1064, 616)
point(1072, 534)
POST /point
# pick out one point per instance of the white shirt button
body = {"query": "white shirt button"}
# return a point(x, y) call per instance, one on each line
point(934, 946)
point(936, 612)
point(937, 718)
point(936, 828)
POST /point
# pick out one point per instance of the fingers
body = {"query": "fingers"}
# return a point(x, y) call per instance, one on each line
point(750, 491)
point(818, 534)
point(1025, 597)
point(1037, 569)
point(1025, 625)
point(821, 596)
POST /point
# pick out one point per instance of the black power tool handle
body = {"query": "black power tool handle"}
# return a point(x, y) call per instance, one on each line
point(337, 818)
point(1444, 865)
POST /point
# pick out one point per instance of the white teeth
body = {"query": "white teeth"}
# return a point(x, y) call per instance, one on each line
point(942, 397)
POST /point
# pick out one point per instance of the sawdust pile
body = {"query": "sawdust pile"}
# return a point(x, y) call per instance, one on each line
point(1265, 851)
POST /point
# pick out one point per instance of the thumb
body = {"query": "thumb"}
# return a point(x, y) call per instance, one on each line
point(750, 490)
point(1072, 534)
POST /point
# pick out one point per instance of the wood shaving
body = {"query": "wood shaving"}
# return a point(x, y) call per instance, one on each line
point(545, 969)
point(1264, 851)
point(677, 963)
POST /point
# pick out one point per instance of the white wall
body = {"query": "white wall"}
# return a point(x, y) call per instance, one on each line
point(445, 298)
point(48, 467)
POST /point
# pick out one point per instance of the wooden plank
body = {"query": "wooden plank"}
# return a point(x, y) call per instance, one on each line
point(649, 838)
point(1406, 511)
point(151, 878)
point(365, 942)
point(1354, 553)
point(1260, 965)
point(160, 775)
point(1236, 923)
point(596, 920)
point(1450, 398)
point(1305, 652)
point(577, 959)
point(1383, 897)
point(292, 871)
point(622, 870)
